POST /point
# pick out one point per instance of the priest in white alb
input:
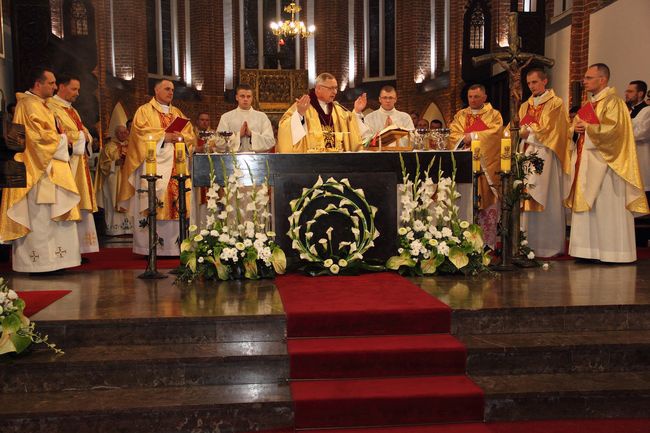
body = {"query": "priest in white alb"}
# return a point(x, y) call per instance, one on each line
point(252, 130)
point(545, 132)
point(607, 190)
point(388, 115)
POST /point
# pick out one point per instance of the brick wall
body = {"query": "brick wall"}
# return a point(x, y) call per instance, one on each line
point(331, 41)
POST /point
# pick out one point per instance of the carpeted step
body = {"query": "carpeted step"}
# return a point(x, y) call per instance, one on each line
point(391, 401)
point(375, 356)
point(371, 304)
point(432, 428)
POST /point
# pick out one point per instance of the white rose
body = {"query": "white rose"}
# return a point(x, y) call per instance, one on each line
point(214, 233)
point(545, 266)
point(201, 259)
point(205, 232)
point(531, 255)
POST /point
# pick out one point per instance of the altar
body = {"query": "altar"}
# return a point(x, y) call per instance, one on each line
point(376, 173)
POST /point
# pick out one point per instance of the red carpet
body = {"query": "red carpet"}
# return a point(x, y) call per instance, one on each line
point(36, 300)
point(372, 304)
point(369, 351)
point(114, 258)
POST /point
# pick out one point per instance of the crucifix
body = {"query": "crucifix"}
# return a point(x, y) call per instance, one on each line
point(513, 60)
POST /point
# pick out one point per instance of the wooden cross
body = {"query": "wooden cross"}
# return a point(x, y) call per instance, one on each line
point(513, 61)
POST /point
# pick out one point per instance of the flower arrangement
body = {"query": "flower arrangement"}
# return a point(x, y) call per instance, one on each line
point(17, 331)
point(236, 242)
point(325, 254)
point(432, 238)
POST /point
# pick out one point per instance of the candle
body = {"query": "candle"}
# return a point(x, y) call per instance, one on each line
point(180, 161)
point(476, 153)
point(506, 152)
point(150, 157)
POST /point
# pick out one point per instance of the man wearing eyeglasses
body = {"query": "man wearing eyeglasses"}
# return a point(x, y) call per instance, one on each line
point(316, 123)
point(607, 189)
point(387, 115)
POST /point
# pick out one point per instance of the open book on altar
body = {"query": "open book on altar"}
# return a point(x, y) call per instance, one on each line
point(389, 136)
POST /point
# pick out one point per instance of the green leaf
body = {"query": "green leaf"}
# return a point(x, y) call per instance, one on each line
point(20, 342)
point(11, 323)
point(458, 257)
point(395, 262)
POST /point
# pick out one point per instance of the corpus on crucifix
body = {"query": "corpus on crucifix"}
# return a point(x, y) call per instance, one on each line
point(513, 60)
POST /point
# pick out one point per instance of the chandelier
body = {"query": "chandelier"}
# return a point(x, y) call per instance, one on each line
point(290, 28)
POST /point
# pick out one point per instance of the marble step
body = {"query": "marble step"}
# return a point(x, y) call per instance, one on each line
point(565, 396)
point(142, 366)
point(509, 320)
point(566, 352)
point(225, 408)
point(168, 330)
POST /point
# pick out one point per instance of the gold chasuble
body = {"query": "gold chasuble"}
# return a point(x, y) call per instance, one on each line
point(70, 122)
point(42, 140)
point(489, 133)
point(149, 123)
point(337, 132)
point(610, 131)
point(550, 123)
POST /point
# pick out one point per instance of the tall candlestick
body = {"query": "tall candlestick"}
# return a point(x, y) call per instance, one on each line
point(476, 153)
point(180, 160)
point(506, 153)
point(150, 157)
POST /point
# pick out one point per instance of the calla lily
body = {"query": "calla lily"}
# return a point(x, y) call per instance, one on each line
point(346, 182)
point(319, 182)
point(395, 262)
point(360, 193)
point(250, 269)
point(458, 258)
point(338, 187)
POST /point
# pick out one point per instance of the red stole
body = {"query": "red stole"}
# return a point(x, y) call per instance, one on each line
point(474, 123)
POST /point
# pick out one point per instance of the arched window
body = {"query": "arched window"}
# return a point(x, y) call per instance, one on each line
point(477, 29)
point(78, 19)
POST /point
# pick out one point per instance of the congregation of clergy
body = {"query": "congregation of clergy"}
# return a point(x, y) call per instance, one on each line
point(596, 163)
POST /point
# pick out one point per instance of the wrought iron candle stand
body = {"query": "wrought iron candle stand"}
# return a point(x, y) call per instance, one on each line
point(182, 212)
point(506, 224)
point(151, 273)
point(476, 196)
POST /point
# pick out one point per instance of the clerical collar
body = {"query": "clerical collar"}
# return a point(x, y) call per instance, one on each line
point(537, 99)
point(388, 112)
point(477, 110)
point(595, 96)
point(62, 101)
point(29, 92)
point(165, 108)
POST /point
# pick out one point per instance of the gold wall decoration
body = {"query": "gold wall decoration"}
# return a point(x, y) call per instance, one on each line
point(275, 90)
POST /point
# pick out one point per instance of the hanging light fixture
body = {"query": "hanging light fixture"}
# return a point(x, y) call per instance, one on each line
point(290, 28)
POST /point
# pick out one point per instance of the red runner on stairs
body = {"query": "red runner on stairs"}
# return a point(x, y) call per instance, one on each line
point(36, 300)
point(369, 351)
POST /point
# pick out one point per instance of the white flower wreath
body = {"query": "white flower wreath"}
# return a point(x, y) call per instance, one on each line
point(352, 204)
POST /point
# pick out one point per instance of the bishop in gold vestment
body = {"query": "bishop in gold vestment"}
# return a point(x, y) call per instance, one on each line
point(607, 189)
point(316, 123)
point(41, 219)
point(81, 141)
point(149, 123)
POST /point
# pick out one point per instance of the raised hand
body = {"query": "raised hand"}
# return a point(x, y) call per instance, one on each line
point(360, 103)
point(302, 104)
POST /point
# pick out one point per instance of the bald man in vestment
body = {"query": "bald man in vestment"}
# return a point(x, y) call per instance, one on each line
point(607, 189)
point(150, 122)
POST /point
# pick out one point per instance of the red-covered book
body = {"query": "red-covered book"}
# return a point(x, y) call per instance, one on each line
point(177, 125)
point(588, 114)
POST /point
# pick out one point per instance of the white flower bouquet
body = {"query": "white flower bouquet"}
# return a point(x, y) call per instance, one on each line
point(432, 238)
point(17, 332)
point(236, 242)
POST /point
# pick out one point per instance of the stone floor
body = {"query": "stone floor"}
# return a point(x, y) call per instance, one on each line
point(150, 355)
